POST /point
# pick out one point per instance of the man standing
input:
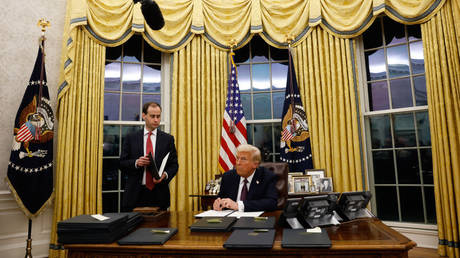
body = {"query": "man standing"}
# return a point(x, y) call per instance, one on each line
point(248, 187)
point(142, 189)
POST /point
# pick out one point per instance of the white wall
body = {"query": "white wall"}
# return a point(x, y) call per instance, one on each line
point(18, 50)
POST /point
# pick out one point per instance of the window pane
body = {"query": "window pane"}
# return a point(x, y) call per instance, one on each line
point(378, 96)
point(152, 78)
point(261, 77)
point(427, 166)
point(380, 132)
point(244, 79)
point(416, 57)
point(277, 54)
point(111, 145)
point(394, 31)
point(113, 53)
point(277, 134)
point(420, 91)
point(414, 32)
point(408, 168)
point(430, 204)
point(279, 75)
point(263, 139)
point(247, 108)
point(111, 106)
point(262, 106)
point(401, 93)
point(151, 98)
point(130, 107)
point(132, 49)
point(151, 55)
point(423, 128)
point(278, 102)
point(386, 199)
point(375, 61)
point(404, 130)
point(112, 76)
point(384, 172)
point(373, 35)
point(109, 202)
point(127, 129)
point(131, 77)
point(250, 133)
point(398, 61)
point(411, 204)
point(110, 174)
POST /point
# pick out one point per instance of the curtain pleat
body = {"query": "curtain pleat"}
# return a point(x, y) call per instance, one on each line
point(324, 64)
point(441, 46)
point(79, 152)
point(198, 102)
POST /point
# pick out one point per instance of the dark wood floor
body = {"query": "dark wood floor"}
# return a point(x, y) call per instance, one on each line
point(419, 252)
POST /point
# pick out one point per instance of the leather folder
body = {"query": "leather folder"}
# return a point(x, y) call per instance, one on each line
point(148, 236)
point(251, 238)
point(298, 238)
point(255, 222)
point(213, 224)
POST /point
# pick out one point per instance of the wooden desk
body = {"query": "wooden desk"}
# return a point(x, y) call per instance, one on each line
point(360, 238)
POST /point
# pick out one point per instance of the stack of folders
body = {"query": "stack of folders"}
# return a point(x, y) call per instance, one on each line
point(250, 238)
point(92, 229)
point(255, 223)
point(134, 219)
point(148, 236)
point(298, 238)
point(213, 224)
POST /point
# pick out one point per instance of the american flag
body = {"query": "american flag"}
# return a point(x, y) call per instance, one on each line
point(25, 133)
point(287, 135)
point(234, 123)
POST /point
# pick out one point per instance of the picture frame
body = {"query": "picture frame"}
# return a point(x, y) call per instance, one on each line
point(315, 175)
point(326, 185)
point(301, 184)
point(291, 176)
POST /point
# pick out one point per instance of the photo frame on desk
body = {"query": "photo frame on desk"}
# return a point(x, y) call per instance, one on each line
point(315, 174)
point(301, 184)
point(291, 176)
point(326, 185)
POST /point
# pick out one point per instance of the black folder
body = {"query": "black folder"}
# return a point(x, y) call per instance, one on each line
point(148, 236)
point(153, 167)
point(213, 224)
point(251, 238)
point(255, 222)
point(134, 219)
point(297, 238)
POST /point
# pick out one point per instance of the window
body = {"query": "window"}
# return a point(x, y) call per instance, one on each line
point(133, 76)
point(262, 74)
point(397, 125)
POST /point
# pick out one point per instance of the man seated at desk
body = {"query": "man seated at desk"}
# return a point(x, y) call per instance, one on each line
point(248, 187)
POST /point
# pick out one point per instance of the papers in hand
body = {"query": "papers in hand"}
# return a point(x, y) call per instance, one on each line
point(228, 213)
point(156, 173)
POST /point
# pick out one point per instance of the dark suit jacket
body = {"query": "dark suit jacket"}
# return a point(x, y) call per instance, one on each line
point(133, 148)
point(262, 195)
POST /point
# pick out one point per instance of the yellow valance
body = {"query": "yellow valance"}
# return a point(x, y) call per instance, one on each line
point(225, 23)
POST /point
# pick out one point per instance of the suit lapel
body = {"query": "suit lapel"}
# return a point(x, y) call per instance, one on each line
point(254, 183)
point(140, 143)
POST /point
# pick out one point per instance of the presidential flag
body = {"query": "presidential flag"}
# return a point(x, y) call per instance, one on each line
point(295, 146)
point(30, 169)
point(234, 123)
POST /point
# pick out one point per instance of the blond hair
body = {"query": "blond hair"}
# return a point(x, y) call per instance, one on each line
point(255, 152)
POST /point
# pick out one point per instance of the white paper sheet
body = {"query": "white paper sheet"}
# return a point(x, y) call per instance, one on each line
point(240, 214)
point(213, 213)
point(163, 164)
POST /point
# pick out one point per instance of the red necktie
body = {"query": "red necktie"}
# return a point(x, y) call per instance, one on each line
point(148, 175)
point(244, 190)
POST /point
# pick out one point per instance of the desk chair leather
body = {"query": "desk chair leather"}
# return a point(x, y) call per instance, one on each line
point(281, 170)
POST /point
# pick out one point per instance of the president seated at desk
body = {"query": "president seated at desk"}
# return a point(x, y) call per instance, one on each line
point(248, 187)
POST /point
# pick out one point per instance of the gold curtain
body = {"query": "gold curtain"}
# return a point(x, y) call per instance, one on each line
point(198, 101)
point(441, 43)
point(328, 86)
point(79, 152)
point(224, 22)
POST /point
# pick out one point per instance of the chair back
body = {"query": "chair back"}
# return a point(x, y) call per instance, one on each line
point(281, 171)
